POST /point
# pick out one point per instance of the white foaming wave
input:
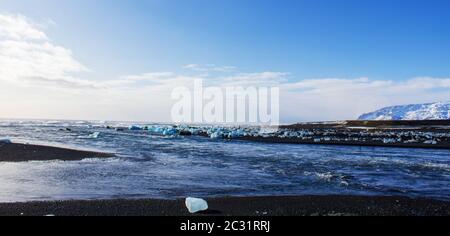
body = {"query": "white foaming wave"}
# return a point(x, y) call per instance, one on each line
point(328, 177)
point(442, 166)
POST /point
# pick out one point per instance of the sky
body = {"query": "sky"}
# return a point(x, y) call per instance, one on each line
point(119, 60)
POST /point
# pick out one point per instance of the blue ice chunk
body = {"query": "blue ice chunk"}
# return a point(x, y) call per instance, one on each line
point(5, 141)
point(194, 131)
point(236, 134)
point(195, 205)
point(134, 128)
point(157, 129)
point(216, 135)
point(170, 132)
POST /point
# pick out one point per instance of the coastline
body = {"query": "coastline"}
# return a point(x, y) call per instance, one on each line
point(238, 206)
point(327, 205)
point(368, 133)
point(15, 152)
point(299, 141)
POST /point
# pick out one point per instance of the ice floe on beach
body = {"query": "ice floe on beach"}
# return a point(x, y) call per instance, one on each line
point(195, 205)
point(312, 135)
point(135, 127)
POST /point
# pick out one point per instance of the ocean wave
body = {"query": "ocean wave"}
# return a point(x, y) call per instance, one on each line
point(328, 177)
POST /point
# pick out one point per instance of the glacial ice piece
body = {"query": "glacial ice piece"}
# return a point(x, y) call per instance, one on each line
point(215, 135)
point(433, 142)
point(156, 129)
point(134, 128)
point(170, 132)
point(194, 131)
point(195, 205)
point(5, 141)
point(94, 135)
point(236, 134)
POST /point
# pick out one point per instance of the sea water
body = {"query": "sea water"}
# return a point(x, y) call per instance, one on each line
point(168, 167)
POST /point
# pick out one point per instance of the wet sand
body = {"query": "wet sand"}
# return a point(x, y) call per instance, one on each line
point(244, 206)
point(13, 152)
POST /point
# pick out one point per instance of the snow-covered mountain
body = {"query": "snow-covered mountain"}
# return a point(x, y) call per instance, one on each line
point(429, 111)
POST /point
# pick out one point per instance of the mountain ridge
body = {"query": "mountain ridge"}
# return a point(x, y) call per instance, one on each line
point(426, 111)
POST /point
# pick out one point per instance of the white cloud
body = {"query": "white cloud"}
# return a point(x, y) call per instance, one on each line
point(305, 100)
point(209, 68)
point(17, 27)
point(27, 56)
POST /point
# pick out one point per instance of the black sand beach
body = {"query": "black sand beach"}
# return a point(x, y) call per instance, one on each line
point(12, 152)
point(245, 206)
point(366, 143)
point(367, 133)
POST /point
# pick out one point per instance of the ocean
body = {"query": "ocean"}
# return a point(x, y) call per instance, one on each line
point(170, 167)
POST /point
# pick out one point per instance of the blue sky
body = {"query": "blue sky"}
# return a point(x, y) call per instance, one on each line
point(346, 39)
point(311, 39)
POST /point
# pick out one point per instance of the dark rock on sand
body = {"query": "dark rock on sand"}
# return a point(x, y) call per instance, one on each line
point(244, 206)
point(12, 152)
point(185, 133)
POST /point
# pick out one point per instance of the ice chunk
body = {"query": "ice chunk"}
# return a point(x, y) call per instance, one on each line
point(236, 134)
point(156, 129)
point(134, 128)
point(5, 140)
point(215, 135)
point(94, 135)
point(170, 132)
point(433, 142)
point(163, 130)
point(194, 131)
point(195, 205)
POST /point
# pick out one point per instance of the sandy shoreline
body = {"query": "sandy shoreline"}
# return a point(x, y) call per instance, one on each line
point(14, 152)
point(238, 206)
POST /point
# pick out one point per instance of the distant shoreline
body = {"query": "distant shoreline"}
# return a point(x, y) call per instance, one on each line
point(15, 152)
point(239, 206)
point(445, 146)
point(369, 133)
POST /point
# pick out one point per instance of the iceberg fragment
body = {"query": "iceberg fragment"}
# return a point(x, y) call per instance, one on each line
point(236, 134)
point(156, 129)
point(170, 132)
point(134, 128)
point(163, 130)
point(195, 205)
point(94, 135)
point(215, 135)
point(5, 141)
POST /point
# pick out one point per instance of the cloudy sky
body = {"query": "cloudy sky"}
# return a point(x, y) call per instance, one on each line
point(120, 60)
